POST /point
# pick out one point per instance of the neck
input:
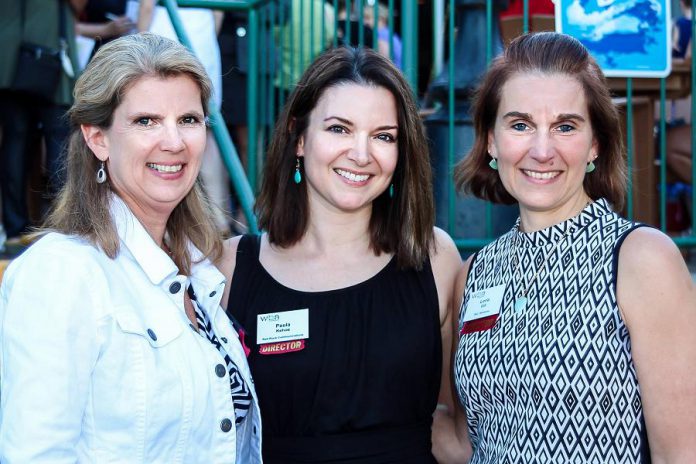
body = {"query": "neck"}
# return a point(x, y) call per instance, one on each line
point(532, 221)
point(155, 223)
point(337, 233)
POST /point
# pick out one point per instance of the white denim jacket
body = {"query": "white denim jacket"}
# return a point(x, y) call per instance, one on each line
point(98, 362)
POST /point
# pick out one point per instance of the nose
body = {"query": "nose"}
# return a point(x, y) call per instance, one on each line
point(172, 140)
point(359, 153)
point(542, 149)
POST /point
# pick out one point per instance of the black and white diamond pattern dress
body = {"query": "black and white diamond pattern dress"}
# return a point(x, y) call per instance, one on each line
point(553, 382)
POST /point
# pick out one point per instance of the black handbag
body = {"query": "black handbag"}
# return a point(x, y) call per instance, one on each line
point(39, 68)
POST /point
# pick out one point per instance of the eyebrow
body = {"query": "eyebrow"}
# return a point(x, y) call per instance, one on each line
point(348, 122)
point(147, 114)
point(560, 117)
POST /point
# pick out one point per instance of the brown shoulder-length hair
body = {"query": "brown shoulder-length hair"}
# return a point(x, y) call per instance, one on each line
point(402, 225)
point(547, 53)
point(83, 205)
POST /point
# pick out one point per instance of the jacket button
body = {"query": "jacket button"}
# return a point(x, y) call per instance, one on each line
point(174, 288)
point(212, 294)
point(152, 335)
point(220, 370)
point(224, 339)
point(226, 425)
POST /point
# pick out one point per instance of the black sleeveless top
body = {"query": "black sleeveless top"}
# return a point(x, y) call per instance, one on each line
point(364, 385)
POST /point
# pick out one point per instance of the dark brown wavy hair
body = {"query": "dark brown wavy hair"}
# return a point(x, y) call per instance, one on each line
point(402, 225)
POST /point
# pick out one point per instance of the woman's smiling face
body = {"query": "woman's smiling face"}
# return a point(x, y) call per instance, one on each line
point(543, 141)
point(350, 147)
point(154, 146)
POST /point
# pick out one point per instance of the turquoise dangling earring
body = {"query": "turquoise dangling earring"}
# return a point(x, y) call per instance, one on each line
point(590, 167)
point(391, 191)
point(298, 174)
point(493, 163)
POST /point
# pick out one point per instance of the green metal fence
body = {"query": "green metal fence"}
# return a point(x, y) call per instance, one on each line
point(285, 35)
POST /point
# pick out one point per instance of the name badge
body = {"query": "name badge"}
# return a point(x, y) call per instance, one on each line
point(282, 327)
point(482, 309)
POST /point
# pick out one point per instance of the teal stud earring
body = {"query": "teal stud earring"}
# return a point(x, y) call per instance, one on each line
point(590, 167)
point(391, 191)
point(298, 174)
point(493, 163)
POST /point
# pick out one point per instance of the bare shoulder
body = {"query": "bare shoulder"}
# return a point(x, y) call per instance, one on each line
point(445, 262)
point(444, 247)
point(227, 264)
point(647, 252)
point(650, 270)
point(445, 259)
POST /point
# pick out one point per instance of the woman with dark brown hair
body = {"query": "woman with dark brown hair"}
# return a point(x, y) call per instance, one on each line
point(574, 341)
point(345, 295)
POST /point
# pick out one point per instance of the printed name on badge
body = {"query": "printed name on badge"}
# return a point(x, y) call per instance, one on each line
point(482, 309)
point(282, 326)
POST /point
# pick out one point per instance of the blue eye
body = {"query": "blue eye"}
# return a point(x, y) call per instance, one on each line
point(337, 129)
point(189, 120)
point(144, 121)
point(386, 137)
point(565, 128)
point(519, 126)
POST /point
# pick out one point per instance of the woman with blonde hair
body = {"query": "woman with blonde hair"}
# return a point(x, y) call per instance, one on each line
point(113, 345)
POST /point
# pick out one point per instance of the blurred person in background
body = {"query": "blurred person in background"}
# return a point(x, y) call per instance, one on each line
point(297, 49)
point(37, 70)
point(383, 34)
point(106, 20)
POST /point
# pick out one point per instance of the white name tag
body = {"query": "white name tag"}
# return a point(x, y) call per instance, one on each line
point(484, 303)
point(282, 326)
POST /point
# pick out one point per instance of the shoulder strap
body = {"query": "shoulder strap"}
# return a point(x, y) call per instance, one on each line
point(246, 265)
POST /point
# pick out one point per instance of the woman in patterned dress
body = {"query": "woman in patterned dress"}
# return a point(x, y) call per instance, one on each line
point(575, 337)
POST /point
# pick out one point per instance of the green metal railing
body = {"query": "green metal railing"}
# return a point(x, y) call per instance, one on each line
point(310, 26)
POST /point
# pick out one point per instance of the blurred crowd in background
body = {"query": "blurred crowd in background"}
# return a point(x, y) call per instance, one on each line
point(46, 43)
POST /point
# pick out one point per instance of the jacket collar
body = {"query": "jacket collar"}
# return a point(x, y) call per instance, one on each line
point(207, 280)
point(150, 257)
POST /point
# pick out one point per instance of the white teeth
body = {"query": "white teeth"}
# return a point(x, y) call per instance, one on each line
point(542, 175)
point(163, 168)
point(351, 176)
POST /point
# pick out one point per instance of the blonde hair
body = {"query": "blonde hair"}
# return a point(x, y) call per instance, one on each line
point(82, 207)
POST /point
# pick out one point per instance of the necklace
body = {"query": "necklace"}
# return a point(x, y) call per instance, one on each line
point(521, 299)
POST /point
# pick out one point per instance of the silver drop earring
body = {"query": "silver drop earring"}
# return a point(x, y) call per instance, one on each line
point(101, 174)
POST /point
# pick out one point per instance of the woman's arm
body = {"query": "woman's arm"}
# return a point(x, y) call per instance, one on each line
point(147, 8)
point(49, 345)
point(451, 443)
point(115, 28)
point(446, 262)
point(657, 299)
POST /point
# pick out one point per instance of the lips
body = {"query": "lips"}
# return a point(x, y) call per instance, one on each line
point(546, 175)
point(351, 176)
point(165, 168)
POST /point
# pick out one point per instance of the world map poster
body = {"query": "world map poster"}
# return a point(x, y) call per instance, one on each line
point(628, 38)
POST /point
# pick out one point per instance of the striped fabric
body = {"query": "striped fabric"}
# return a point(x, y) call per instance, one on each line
point(241, 396)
